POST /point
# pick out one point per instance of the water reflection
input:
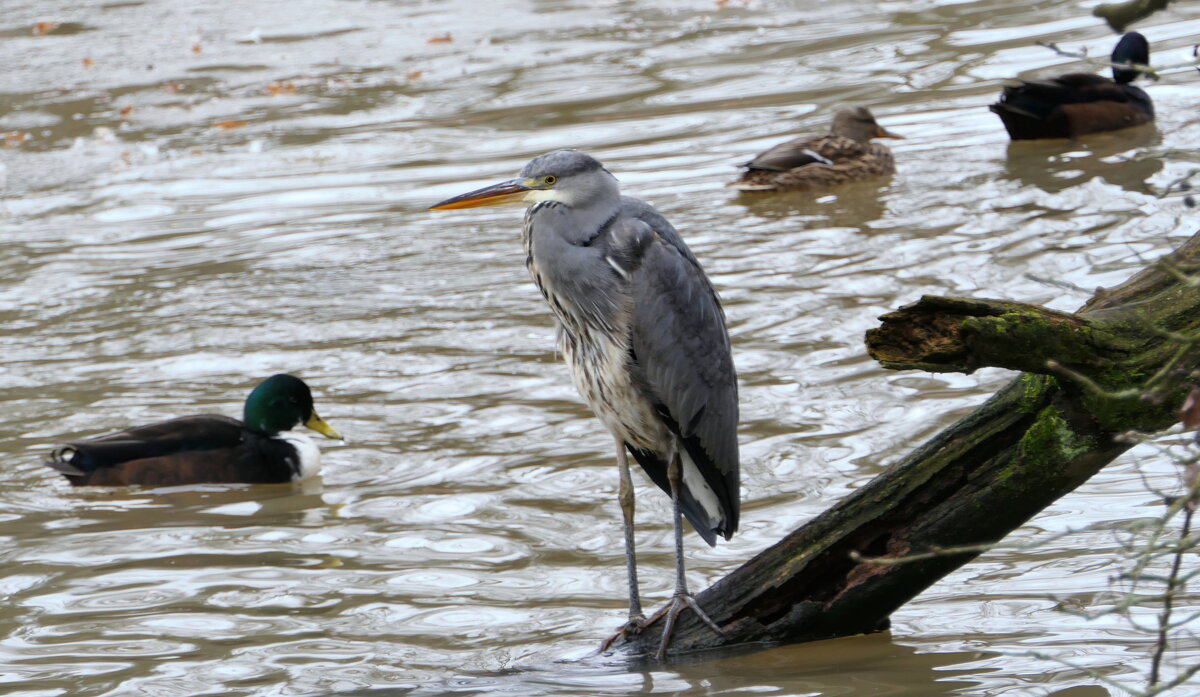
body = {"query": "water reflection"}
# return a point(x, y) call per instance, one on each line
point(856, 205)
point(865, 665)
point(1122, 158)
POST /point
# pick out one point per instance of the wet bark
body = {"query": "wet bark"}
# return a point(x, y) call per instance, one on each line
point(1121, 363)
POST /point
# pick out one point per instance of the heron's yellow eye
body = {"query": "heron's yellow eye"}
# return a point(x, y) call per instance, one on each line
point(550, 179)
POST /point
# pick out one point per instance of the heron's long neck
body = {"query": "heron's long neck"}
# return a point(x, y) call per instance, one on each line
point(565, 250)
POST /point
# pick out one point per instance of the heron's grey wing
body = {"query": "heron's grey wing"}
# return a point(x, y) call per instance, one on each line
point(682, 350)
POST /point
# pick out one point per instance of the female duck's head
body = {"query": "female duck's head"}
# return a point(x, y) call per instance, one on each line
point(281, 403)
point(859, 124)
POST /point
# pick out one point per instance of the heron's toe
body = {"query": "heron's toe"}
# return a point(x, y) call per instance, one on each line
point(633, 627)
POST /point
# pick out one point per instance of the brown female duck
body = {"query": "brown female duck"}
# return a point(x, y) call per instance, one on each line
point(845, 155)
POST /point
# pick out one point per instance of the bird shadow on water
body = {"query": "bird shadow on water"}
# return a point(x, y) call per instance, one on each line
point(1056, 165)
point(121, 508)
point(860, 665)
point(854, 205)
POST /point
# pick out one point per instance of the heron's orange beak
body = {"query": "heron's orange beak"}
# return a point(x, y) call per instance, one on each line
point(511, 191)
point(881, 132)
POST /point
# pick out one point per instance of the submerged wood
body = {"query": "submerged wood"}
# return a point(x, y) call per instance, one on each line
point(1120, 15)
point(1120, 363)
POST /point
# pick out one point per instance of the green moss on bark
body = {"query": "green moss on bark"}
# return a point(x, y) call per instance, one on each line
point(1035, 387)
point(1047, 444)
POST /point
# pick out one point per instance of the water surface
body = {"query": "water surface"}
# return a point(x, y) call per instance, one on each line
point(204, 194)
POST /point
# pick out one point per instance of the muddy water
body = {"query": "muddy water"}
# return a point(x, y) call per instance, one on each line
point(202, 194)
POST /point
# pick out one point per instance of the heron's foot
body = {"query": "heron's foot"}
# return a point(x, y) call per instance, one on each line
point(632, 628)
point(678, 603)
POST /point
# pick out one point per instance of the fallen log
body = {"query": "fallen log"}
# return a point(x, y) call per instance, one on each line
point(1124, 361)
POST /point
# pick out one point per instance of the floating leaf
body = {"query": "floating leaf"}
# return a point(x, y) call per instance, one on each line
point(413, 74)
point(172, 87)
point(88, 62)
point(44, 28)
point(126, 111)
point(278, 88)
point(443, 39)
point(230, 124)
point(197, 48)
point(14, 138)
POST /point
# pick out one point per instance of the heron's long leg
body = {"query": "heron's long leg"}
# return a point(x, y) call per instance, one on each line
point(637, 619)
point(681, 598)
point(625, 494)
point(675, 478)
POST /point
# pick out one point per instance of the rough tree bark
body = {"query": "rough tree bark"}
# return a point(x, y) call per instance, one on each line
point(1121, 363)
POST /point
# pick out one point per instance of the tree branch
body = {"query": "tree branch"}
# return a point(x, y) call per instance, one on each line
point(973, 483)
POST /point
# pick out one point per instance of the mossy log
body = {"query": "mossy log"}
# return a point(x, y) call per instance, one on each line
point(1122, 362)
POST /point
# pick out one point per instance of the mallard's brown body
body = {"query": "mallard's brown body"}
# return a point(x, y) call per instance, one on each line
point(206, 448)
point(1075, 104)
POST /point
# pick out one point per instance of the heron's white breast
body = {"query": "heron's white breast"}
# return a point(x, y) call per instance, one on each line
point(603, 374)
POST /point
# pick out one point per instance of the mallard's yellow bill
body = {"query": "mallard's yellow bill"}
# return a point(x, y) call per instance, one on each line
point(512, 191)
point(318, 424)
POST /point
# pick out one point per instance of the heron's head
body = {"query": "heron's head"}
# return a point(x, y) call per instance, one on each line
point(571, 177)
point(859, 124)
point(1133, 50)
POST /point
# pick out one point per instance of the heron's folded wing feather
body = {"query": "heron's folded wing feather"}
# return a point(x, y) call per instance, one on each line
point(683, 355)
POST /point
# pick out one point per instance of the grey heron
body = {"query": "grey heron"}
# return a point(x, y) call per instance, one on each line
point(643, 334)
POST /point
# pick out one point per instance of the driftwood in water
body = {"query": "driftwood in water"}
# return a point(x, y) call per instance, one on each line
point(1120, 15)
point(1121, 363)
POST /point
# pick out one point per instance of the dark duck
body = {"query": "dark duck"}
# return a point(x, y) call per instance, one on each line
point(845, 154)
point(260, 449)
point(1076, 104)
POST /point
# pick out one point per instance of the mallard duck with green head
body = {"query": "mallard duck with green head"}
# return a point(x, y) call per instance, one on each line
point(263, 448)
point(1076, 104)
point(846, 154)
